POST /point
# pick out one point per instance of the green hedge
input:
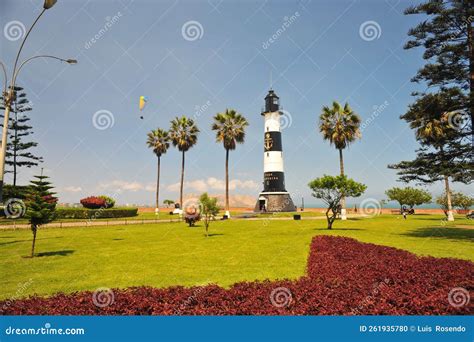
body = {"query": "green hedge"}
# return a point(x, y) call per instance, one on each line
point(83, 213)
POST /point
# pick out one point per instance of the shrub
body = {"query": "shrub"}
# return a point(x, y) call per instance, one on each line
point(344, 277)
point(19, 191)
point(332, 189)
point(83, 213)
point(93, 202)
point(98, 202)
point(109, 201)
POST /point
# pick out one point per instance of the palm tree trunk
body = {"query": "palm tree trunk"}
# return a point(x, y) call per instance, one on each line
point(157, 206)
point(182, 183)
point(448, 199)
point(341, 162)
point(34, 229)
point(227, 179)
point(343, 198)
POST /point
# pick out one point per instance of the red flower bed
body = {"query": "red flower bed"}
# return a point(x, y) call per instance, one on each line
point(93, 202)
point(344, 277)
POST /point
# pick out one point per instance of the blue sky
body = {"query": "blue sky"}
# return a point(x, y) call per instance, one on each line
point(322, 55)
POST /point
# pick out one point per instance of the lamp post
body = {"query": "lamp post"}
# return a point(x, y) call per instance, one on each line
point(9, 91)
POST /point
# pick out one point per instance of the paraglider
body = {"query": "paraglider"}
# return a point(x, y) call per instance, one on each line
point(142, 104)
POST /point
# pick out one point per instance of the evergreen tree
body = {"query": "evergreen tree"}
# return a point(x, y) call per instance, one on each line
point(18, 150)
point(447, 39)
point(40, 205)
point(442, 117)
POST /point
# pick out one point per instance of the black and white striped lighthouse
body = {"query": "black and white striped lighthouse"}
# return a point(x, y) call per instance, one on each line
point(274, 197)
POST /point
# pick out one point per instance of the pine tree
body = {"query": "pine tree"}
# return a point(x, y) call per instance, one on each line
point(40, 205)
point(442, 117)
point(442, 155)
point(447, 37)
point(18, 150)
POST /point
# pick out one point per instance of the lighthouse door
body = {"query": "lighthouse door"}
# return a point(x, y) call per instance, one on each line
point(262, 203)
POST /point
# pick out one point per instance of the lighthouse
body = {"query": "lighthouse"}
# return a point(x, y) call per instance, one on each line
point(274, 197)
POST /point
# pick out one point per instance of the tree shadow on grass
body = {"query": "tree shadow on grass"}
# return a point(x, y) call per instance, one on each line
point(27, 240)
point(427, 218)
point(64, 252)
point(450, 233)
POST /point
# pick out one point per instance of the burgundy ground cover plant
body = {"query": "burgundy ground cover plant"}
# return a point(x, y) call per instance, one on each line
point(344, 277)
point(93, 202)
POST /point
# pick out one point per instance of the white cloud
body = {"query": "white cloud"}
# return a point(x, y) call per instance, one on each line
point(73, 189)
point(150, 187)
point(197, 185)
point(213, 183)
point(119, 186)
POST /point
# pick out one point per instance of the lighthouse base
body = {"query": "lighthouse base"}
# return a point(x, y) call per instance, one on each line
point(274, 202)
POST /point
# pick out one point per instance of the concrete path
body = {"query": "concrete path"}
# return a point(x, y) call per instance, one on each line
point(98, 223)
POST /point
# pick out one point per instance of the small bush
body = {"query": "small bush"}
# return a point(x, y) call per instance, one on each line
point(83, 213)
point(93, 202)
point(98, 202)
point(109, 201)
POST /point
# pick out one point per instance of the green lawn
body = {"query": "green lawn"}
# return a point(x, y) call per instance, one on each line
point(163, 216)
point(164, 254)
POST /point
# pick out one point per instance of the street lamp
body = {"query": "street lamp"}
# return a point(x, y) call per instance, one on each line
point(9, 91)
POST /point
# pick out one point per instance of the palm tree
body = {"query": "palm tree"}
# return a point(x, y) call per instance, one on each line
point(339, 125)
point(183, 134)
point(230, 130)
point(158, 140)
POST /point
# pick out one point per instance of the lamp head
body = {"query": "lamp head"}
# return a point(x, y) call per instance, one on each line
point(49, 3)
point(71, 61)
